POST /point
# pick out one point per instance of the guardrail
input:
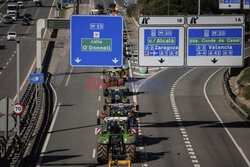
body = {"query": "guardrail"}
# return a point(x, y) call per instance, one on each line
point(230, 95)
point(34, 109)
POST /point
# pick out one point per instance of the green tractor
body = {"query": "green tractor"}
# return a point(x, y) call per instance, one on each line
point(114, 77)
point(118, 110)
point(117, 139)
point(117, 95)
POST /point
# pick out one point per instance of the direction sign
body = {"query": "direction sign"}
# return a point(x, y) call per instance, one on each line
point(161, 46)
point(216, 19)
point(65, 1)
point(215, 46)
point(36, 78)
point(160, 20)
point(18, 109)
point(96, 41)
point(246, 4)
point(229, 4)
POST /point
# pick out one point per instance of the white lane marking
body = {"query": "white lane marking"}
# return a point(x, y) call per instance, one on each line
point(95, 131)
point(101, 77)
point(94, 152)
point(180, 123)
point(49, 134)
point(10, 59)
point(7, 63)
point(67, 81)
point(100, 87)
point(222, 123)
point(141, 148)
point(99, 98)
point(4, 67)
point(97, 113)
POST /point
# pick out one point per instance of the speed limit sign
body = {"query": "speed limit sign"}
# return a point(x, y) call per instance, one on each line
point(18, 109)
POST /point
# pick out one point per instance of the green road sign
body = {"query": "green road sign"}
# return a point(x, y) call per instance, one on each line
point(96, 45)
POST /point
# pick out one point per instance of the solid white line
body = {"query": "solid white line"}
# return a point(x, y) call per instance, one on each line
point(94, 152)
point(222, 123)
point(48, 135)
point(67, 81)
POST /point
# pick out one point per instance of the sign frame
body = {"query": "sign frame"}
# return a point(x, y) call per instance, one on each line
point(115, 56)
point(22, 108)
point(165, 58)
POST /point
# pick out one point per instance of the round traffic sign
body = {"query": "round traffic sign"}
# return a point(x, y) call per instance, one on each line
point(18, 109)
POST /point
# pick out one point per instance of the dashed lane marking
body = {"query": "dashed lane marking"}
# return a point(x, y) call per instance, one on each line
point(99, 98)
point(180, 123)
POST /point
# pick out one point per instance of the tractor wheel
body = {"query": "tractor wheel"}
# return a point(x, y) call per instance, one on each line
point(102, 153)
point(130, 148)
point(105, 92)
point(98, 121)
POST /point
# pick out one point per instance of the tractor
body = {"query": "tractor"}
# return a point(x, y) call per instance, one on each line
point(116, 95)
point(114, 77)
point(116, 142)
point(119, 110)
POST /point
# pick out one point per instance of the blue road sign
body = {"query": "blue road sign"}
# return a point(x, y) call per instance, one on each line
point(36, 78)
point(229, 4)
point(247, 2)
point(161, 46)
point(96, 41)
point(214, 44)
point(65, 1)
point(161, 42)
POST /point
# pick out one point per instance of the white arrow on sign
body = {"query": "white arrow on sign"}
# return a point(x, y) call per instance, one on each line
point(78, 60)
point(115, 60)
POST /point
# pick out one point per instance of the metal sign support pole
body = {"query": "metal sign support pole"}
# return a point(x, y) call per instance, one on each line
point(18, 81)
point(7, 118)
point(199, 7)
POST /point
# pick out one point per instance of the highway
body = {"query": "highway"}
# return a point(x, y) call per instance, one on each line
point(184, 117)
point(27, 48)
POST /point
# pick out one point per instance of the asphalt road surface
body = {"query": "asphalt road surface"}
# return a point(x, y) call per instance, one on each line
point(27, 48)
point(181, 115)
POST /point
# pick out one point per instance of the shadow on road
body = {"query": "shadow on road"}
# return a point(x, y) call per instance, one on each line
point(202, 124)
point(75, 128)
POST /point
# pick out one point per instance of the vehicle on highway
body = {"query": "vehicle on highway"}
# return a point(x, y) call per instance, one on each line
point(12, 8)
point(117, 95)
point(119, 110)
point(20, 4)
point(27, 16)
point(113, 77)
point(38, 3)
point(13, 16)
point(25, 22)
point(116, 141)
point(11, 35)
point(100, 9)
point(8, 19)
